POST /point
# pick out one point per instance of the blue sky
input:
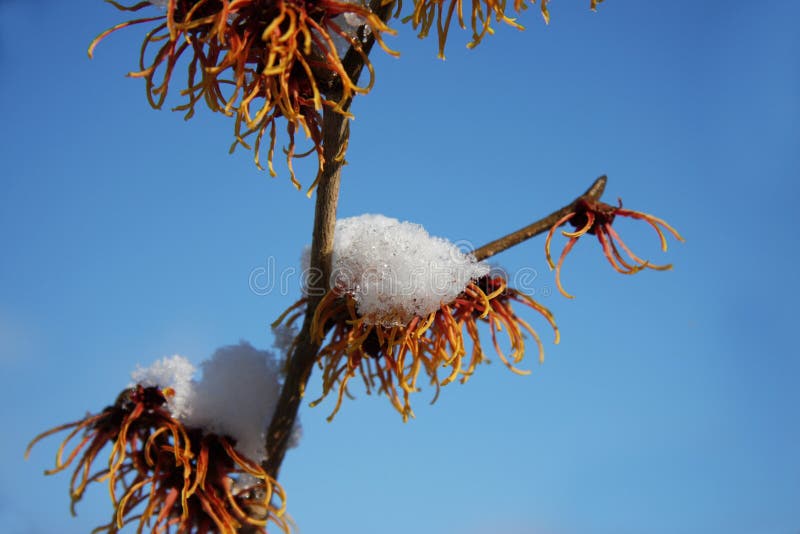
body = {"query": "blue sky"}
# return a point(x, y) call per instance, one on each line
point(671, 404)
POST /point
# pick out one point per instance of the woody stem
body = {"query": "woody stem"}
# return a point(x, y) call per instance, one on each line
point(335, 135)
point(488, 250)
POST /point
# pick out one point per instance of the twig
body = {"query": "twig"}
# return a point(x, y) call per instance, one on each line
point(538, 227)
point(335, 134)
point(336, 131)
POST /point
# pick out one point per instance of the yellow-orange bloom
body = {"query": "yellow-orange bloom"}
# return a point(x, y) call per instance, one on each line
point(163, 476)
point(258, 61)
point(390, 359)
point(426, 13)
point(595, 217)
point(271, 62)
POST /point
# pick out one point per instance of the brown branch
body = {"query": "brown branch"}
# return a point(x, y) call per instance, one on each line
point(336, 132)
point(538, 227)
point(335, 135)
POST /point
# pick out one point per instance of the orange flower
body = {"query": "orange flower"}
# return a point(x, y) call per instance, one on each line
point(595, 217)
point(389, 359)
point(256, 60)
point(481, 12)
point(268, 61)
point(163, 476)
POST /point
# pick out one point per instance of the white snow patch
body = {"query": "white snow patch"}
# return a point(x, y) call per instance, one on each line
point(395, 270)
point(237, 396)
point(175, 372)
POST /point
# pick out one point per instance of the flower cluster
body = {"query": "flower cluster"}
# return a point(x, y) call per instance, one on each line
point(591, 216)
point(183, 454)
point(403, 303)
point(427, 13)
point(256, 60)
point(389, 359)
point(162, 475)
point(269, 62)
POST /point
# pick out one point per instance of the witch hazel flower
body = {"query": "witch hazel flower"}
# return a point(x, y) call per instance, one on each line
point(590, 216)
point(265, 63)
point(184, 453)
point(442, 14)
point(402, 304)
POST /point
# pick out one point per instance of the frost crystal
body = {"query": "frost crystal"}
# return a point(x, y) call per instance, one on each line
point(170, 372)
point(395, 270)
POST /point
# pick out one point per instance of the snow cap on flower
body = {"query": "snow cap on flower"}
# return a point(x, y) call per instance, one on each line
point(237, 396)
point(155, 456)
point(173, 372)
point(395, 270)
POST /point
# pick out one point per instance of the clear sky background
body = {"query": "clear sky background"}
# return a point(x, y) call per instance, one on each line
point(671, 405)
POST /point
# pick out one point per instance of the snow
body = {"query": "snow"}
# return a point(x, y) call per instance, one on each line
point(395, 270)
point(175, 372)
point(236, 396)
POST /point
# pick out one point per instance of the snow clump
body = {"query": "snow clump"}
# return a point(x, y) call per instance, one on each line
point(395, 270)
point(235, 397)
point(174, 372)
